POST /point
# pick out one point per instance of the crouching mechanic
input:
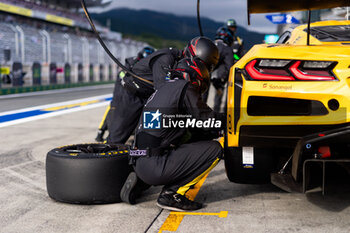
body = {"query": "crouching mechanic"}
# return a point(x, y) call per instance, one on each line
point(176, 156)
point(130, 94)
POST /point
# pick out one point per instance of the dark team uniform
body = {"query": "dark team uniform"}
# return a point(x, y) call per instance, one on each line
point(130, 94)
point(221, 73)
point(129, 63)
point(237, 48)
point(177, 159)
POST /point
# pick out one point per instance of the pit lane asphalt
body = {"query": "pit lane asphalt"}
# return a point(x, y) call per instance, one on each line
point(26, 207)
point(32, 99)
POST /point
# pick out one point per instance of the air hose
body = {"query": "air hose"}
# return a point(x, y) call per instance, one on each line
point(107, 50)
point(199, 19)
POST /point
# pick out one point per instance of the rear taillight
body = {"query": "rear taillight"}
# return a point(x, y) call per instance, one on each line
point(263, 74)
point(290, 70)
point(311, 74)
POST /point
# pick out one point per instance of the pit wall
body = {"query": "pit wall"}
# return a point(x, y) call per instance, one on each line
point(19, 78)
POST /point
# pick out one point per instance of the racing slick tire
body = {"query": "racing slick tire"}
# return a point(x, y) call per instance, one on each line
point(264, 163)
point(87, 173)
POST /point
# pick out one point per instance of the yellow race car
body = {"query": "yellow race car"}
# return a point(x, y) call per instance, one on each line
point(289, 103)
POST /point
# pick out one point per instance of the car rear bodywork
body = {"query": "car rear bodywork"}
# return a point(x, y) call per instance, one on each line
point(282, 95)
point(259, 97)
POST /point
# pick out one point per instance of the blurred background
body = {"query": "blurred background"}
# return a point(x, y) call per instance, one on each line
point(48, 44)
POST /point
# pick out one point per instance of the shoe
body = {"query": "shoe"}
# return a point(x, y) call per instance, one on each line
point(132, 189)
point(176, 202)
point(99, 137)
point(127, 193)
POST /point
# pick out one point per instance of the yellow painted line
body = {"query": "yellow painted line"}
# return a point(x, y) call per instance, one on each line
point(71, 106)
point(222, 214)
point(174, 219)
point(172, 222)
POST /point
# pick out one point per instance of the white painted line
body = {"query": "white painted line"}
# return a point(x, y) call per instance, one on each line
point(52, 114)
point(49, 92)
point(57, 104)
point(56, 113)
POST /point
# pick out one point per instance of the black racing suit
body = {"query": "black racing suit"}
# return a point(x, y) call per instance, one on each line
point(177, 159)
point(127, 104)
point(237, 48)
point(129, 63)
point(221, 73)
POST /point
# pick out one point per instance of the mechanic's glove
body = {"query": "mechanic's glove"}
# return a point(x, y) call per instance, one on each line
point(122, 74)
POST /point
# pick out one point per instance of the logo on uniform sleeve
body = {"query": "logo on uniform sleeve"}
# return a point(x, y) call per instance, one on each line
point(152, 120)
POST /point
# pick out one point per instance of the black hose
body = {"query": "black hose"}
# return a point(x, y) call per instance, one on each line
point(308, 27)
point(199, 19)
point(107, 50)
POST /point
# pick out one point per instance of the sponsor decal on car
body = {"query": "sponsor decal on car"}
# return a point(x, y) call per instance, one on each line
point(277, 87)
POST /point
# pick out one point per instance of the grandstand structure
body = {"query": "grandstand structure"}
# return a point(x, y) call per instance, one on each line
point(55, 36)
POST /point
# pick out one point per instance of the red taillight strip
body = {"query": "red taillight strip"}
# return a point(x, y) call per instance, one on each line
point(305, 77)
point(255, 74)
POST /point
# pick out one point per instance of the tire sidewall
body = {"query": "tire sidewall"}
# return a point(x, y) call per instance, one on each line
point(86, 179)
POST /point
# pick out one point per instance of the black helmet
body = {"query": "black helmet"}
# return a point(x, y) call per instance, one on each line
point(225, 34)
point(195, 71)
point(204, 49)
point(145, 52)
point(231, 23)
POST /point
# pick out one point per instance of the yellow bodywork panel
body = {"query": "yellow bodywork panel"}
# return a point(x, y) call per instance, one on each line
point(322, 91)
